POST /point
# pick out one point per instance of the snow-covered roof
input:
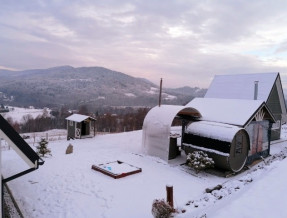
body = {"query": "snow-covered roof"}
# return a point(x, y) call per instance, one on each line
point(211, 129)
point(78, 117)
point(156, 128)
point(21, 147)
point(241, 86)
point(230, 111)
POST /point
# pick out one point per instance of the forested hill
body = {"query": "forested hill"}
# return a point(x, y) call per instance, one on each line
point(93, 86)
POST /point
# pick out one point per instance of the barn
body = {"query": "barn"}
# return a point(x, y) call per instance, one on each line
point(232, 131)
point(261, 86)
point(80, 126)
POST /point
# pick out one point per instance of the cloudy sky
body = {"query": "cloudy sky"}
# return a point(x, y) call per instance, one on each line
point(186, 42)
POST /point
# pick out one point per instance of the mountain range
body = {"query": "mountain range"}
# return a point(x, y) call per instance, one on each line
point(92, 86)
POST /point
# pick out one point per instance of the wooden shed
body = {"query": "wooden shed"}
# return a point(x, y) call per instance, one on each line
point(80, 126)
point(260, 86)
point(233, 127)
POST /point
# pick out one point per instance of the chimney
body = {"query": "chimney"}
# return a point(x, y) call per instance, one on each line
point(256, 90)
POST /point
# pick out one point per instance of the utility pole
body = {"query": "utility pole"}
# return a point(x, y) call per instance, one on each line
point(160, 91)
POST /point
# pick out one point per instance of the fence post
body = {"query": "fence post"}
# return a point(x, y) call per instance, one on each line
point(169, 195)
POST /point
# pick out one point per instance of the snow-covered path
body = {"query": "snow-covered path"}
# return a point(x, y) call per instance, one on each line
point(266, 196)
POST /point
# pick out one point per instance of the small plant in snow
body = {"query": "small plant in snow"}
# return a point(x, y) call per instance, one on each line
point(199, 160)
point(42, 148)
point(161, 209)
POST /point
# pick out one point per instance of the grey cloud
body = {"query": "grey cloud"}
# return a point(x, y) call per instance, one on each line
point(171, 39)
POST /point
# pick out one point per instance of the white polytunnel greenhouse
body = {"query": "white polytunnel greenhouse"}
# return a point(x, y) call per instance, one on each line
point(157, 127)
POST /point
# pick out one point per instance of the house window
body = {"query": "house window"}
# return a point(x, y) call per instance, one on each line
point(238, 144)
point(71, 123)
point(277, 125)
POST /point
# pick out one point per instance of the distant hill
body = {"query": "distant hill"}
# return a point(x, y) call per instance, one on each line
point(93, 86)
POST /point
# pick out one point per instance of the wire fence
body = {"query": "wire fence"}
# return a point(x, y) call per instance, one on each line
point(34, 138)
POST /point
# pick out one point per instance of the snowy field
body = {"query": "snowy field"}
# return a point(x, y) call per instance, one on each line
point(17, 113)
point(66, 186)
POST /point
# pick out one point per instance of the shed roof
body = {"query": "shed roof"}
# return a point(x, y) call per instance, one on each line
point(241, 86)
point(78, 117)
point(237, 112)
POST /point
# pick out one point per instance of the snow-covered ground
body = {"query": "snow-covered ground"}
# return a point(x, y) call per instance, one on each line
point(17, 113)
point(66, 186)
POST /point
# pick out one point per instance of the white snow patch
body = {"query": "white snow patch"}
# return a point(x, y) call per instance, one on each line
point(226, 110)
point(66, 186)
point(117, 168)
point(77, 117)
point(130, 95)
point(207, 149)
point(168, 97)
point(17, 113)
point(241, 86)
point(219, 131)
point(153, 91)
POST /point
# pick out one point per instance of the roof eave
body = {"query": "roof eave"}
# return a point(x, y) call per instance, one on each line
point(259, 108)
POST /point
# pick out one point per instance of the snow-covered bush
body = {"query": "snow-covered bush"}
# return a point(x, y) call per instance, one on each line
point(161, 209)
point(199, 160)
point(42, 148)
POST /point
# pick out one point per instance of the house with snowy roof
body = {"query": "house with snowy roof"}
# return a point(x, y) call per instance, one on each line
point(232, 131)
point(80, 126)
point(261, 86)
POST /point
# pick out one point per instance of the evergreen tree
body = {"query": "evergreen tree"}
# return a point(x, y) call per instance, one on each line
point(43, 149)
point(199, 160)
